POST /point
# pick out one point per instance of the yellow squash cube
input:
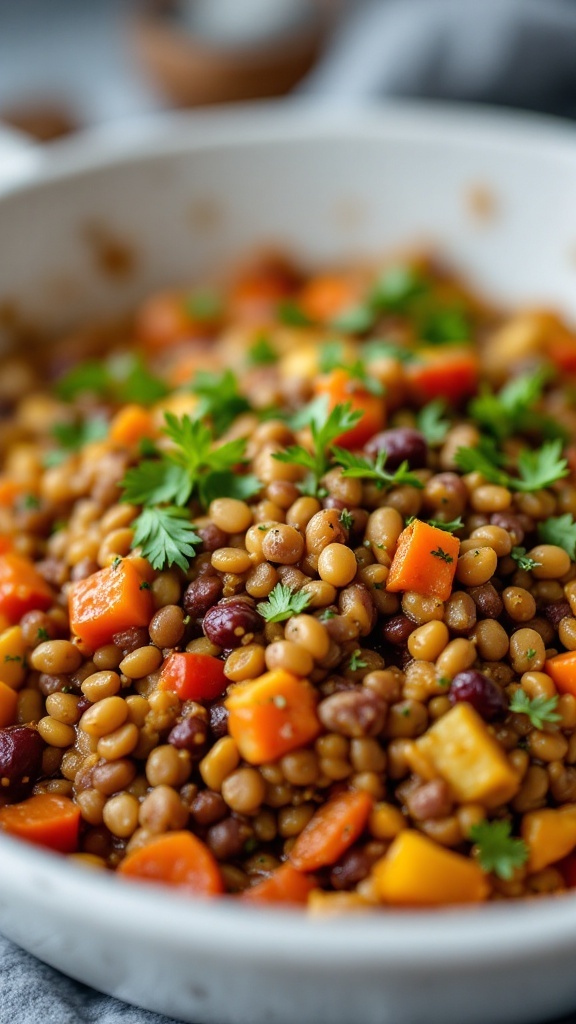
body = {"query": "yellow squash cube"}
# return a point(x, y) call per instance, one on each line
point(550, 835)
point(12, 650)
point(418, 872)
point(460, 748)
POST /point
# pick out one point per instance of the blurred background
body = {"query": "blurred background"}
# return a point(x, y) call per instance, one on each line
point(66, 64)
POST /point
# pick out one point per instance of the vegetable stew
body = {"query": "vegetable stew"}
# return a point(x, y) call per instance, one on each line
point(288, 592)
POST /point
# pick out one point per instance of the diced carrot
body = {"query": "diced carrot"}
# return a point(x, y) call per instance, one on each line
point(333, 828)
point(418, 872)
point(22, 588)
point(193, 676)
point(131, 425)
point(562, 670)
point(167, 319)
point(550, 834)
point(10, 490)
point(272, 715)
point(48, 819)
point(325, 297)
point(341, 388)
point(8, 704)
point(12, 656)
point(107, 602)
point(425, 561)
point(283, 885)
point(562, 352)
point(443, 373)
point(179, 859)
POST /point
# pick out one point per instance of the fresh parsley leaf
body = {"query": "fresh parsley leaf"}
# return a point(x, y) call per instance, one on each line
point(122, 378)
point(356, 320)
point(72, 437)
point(363, 468)
point(497, 851)
point(220, 399)
point(283, 603)
point(537, 469)
point(442, 555)
point(166, 537)
point(357, 661)
point(261, 353)
point(291, 314)
point(341, 419)
point(522, 560)
point(560, 530)
point(540, 710)
point(156, 482)
point(204, 305)
point(42, 634)
point(397, 288)
point(327, 614)
point(509, 411)
point(330, 355)
point(540, 468)
point(430, 422)
point(451, 527)
point(358, 371)
point(30, 502)
point(346, 518)
point(226, 484)
point(444, 326)
point(382, 349)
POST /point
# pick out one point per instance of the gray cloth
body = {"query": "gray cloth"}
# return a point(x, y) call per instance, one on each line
point(515, 52)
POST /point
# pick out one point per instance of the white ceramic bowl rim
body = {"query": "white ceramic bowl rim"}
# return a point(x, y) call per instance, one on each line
point(404, 939)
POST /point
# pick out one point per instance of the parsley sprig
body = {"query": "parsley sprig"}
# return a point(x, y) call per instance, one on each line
point(540, 710)
point(431, 423)
point(451, 527)
point(121, 378)
point(560, 530)
point(537, 469)
point(497, 850)
point(317, 462)
point(283, 603)
point(523, 561)
point(363, 468)
point(72, 437)
point(166, 536)
point(513, 409)
point(220, 400)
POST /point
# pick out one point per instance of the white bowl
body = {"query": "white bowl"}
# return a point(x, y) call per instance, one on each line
point(187, 194)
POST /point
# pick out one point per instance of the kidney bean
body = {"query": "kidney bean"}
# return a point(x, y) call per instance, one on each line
point(212, 537)
point(351, 869)
point(397, 630)
point(432, 800)
point(218, 720)
point(84, 568)
point(511, 523)
point(226, 839)
point(401, 444)
point(482, 693)
point(487, 600)
point(131, 639)
point(190, 734)
point(201, 595)
point(354, 713)
point(556, 611)
point(231, 624)
point(21, 749)
point(208, 807)
point(83, 705)
point(52, 684)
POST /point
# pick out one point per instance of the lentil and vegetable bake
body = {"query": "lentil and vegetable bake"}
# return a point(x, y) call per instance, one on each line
point(288, 592)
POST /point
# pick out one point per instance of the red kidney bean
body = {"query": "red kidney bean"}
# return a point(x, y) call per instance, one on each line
point(218, 720)
point(231, 624)
point(190, 734)
point(397, 630)
point(351, 869)
point(511, 523)
point(354, 713)
point(131, 639)
point(48, 684)
point(208, 807)
point(201, 595)
point(21, 750)
point(212, 537)
point(401, 444)
point(556, 611)
point(487, 600)
point(431, 800)
point(482, 693)
point(226, 839)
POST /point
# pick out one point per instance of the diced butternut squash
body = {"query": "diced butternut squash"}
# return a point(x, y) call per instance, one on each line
point(562, 670)
point(8, 705)
point(550, 835)
point(461, 749)
point(109, 601)
point(425, 561)
point(12, 651)
point(417, 872)
point(272, 715)
point(22, 588)
point(131, 425)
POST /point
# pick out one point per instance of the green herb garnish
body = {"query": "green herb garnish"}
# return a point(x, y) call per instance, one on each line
point(540, 710)
point(560, 530)
point(283, 603)
point(317, 462)
point(72, 437)
point(357, 661)
point(497, 851)
point(431, 423)
point(523, 561)
point(363, 468)
point(261, 353)
point(537, 469)
point(220, 399)
point(166, 536)
point(442, 555)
